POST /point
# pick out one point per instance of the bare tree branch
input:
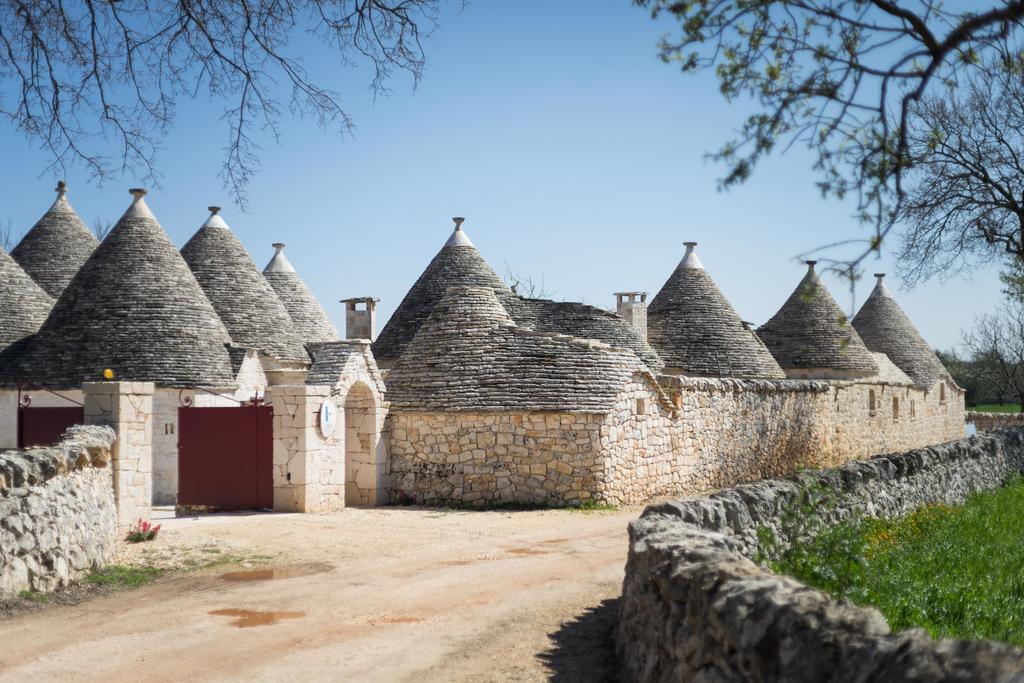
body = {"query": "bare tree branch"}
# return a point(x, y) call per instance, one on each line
point(96, 82)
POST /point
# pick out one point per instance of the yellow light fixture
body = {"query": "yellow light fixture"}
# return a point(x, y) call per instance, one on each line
point(108, 374)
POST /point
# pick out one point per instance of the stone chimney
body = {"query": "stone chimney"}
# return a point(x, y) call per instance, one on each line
point(360, 317)
point(633, 307)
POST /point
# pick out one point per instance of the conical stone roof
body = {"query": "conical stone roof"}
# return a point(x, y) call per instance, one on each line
point(469, 356)
point(244, 300)
point(697, 332)
point(136, 308)
point(56, 246)
point(811, 335)
point(885, 328)
point(23, 304)
point(458, 264)
point(311, 322)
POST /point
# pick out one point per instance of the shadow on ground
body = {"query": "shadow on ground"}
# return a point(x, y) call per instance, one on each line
point(584, 648)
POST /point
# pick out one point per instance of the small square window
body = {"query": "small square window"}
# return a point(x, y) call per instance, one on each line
point(641, 406)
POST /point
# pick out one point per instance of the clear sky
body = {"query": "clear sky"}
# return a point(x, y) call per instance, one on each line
point(574, 152)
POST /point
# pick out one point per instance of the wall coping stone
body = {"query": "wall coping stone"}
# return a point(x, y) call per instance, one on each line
point(81, 446)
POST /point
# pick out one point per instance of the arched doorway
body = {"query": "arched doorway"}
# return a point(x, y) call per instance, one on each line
point(362, 471)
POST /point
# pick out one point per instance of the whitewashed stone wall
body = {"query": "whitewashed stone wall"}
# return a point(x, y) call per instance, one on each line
point(40, 399)
point(57, 514)
point(712, 434)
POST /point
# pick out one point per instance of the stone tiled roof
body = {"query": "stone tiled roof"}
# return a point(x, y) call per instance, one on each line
point(458, 264)
point(136, 308)
point(311, 321)
point(694, 328)
point(810, 332)
point(586, 322)
point(23, 304)
point(470, 356)
point(888, 372)
point(56, 246)
point(334, 362)
point(244, 300)
point(885, 328)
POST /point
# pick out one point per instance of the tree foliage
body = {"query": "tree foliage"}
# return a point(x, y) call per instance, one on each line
point(995, 347)
point(87, 77)
point(842, 77)
point(966, 197)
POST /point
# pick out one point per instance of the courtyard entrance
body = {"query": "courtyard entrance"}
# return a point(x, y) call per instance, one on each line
point(225, 456)
point(362, 469)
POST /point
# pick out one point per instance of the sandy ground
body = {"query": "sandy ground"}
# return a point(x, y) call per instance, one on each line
point(364, 595)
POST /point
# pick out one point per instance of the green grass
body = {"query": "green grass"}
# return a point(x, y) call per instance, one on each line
point(120, 576)
point(33, 596)
point(957, 572)
point(996, 408)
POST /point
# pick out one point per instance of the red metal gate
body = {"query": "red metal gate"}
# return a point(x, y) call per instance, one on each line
point(44, 426)
point(225, 457)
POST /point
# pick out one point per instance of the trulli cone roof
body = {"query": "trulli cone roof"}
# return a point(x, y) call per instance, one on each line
point(241, 296)
point(23, 304)
point(458, 264)
point(586, 322)
point(56, 246)
point(311, 322)
point(469, 356)
point(136, 308)
point(694, 328)
point(885, 328)
point(811, 332)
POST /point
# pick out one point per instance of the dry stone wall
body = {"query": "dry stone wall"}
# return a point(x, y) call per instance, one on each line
point(57, 511)
point(986, 422)
point(695, 607)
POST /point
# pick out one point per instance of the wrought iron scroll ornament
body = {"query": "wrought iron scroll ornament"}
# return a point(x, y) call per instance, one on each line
point(25, 401)
point(184, 400)
point(187, 400)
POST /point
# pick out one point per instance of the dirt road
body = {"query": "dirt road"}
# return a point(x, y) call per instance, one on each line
point(364, 595)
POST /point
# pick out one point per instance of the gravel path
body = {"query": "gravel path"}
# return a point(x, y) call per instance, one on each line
point(369, 595)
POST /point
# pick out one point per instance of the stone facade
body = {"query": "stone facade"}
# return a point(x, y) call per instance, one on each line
point(127, 407)
point(57, 515)
point(711, 434)
point(986, 422)
point(694, 606)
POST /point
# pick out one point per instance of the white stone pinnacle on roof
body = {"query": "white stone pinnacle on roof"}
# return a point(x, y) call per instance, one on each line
point(215, 221)
point(61, 200)
point(458, 238)
point(139, 207)
point(279, 263)
point(690, 259)
point(880, 285)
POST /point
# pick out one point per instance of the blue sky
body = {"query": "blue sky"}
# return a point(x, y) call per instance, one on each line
point(574, 152)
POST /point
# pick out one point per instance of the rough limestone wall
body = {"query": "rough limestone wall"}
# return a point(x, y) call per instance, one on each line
point(642, 448)
point(484, 458)
point(309, 468)
point(57, 511)
point(986, 422)
point(694, 607)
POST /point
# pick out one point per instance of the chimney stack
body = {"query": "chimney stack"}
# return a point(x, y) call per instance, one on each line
point(632, 306)
point(360, 322)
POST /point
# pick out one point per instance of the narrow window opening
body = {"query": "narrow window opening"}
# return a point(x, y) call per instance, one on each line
point(871, 402)
point(913, 409)
point(895, 408)
point(641, 406)
point(942, 393)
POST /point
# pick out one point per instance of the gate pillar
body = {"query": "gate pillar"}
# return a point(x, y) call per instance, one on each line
point(309, 458)
point(126, 407)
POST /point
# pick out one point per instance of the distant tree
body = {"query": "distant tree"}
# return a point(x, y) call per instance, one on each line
point(101, 228)
point(7, 234)
point(98, 81)
point(995, 347)
point(962, 372)
point(526, 286)
point(843, 77)
point(966, 197)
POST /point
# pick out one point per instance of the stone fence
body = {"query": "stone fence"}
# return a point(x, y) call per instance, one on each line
point(57, 511)
point(695, 607)
point(986, 422)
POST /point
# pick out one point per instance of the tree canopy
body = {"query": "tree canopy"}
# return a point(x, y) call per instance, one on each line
point(843, 77)
point(96, 82)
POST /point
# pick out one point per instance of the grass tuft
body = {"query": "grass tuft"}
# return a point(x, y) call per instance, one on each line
point(122, 576)
point(996, 408)
point(957, 572)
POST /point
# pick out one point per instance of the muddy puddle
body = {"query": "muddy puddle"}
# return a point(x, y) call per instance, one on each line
point(275, 573)
point(246, 618)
